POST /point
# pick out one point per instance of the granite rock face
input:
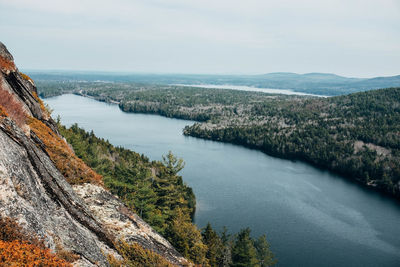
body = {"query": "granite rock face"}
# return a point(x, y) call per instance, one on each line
point(82, 219)
point(37, 195)
point(124, 224)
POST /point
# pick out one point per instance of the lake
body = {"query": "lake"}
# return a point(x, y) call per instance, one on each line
point(311, 217)
point(249, 88)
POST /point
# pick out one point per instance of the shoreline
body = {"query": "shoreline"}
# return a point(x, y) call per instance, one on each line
point(251, 89)
point(348, 176)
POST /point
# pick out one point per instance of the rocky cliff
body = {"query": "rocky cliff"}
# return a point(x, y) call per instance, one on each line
point(84, 219)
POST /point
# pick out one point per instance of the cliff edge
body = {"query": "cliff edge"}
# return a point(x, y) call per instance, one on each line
point(36, 170)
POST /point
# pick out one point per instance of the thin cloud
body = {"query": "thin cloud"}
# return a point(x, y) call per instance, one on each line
point(206, 36)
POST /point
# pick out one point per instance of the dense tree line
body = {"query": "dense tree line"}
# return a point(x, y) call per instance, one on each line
point(355, 135)
point(153, 189)
point(156, 192)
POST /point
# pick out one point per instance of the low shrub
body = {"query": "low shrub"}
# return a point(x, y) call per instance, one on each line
point(18, 247)
point(42, 106)
point(11, 231)
point(26, 77)
point(19, 253)
point(135, 255)
point(71, 167)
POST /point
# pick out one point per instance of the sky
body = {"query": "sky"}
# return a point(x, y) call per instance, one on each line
point(353, 38)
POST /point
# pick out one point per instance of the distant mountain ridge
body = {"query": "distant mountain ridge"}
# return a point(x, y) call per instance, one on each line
point(311, 83)
point(312, 76)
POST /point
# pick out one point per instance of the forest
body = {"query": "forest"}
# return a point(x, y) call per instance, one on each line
point(356, 135)
point(156, 192)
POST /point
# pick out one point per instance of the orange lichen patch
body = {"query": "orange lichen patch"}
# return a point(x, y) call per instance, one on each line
point(3, 112)
point(6, 65)
point(17, 253)
point(73, 168)
point(26, 77)
point(12, 108)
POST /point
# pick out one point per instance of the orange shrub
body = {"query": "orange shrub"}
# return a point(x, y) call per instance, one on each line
point(42, 107)
point(26, 77)
point(66, 255)
point(11, 231)
point(12, 107)
point(73, 168)
point(17, 253)
point(6, 64)
point(135, 255)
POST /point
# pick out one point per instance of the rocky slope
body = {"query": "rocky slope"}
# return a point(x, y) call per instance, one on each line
point(84, 219)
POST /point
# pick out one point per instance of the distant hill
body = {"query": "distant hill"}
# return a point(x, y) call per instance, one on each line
point(379, 82)
point(314, 76)
point(312, 83)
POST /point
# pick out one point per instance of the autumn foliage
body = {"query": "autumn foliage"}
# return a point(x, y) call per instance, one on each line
point(26, 77)
point(11, 231)
point(20, 248)
point(12, 107)
point(42, 107)
point(135, 255)
point(73, 168)
point(17, 253)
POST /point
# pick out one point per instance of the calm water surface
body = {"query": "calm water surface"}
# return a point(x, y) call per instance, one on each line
point(311, 217)
point(249, 88)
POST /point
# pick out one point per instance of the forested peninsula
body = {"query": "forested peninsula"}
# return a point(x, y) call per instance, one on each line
point(356, 135)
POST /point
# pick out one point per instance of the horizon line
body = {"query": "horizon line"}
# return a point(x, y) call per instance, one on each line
point(182, 73)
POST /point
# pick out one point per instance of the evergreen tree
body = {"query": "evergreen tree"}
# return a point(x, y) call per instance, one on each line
point(264, 255)
point(215, 247)
point(186, 238)
point(144, 199)
point(173, 164)
point(244, 254)
point(227, 248)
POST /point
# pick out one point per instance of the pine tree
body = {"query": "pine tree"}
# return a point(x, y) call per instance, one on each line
point(264, 254)
point(173, 164)
point(215, 247)
point(187, 238)
point(227, 248)
point(244, 254)
point(145, 199)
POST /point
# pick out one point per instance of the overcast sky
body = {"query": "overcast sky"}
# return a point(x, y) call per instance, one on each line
point(358, 38)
